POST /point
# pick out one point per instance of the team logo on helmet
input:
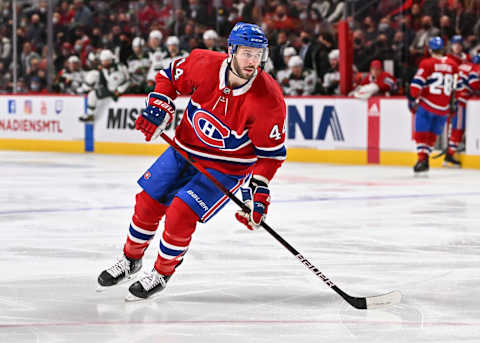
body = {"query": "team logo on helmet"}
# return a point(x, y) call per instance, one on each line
point(248, 35)
point(209, 129)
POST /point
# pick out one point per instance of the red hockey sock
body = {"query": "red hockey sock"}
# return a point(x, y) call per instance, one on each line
point(422, 137)
point(423, 145)
point(148, 213)
point(455, 138)
point(180, 223)
point(432, 139)
point(422, 156)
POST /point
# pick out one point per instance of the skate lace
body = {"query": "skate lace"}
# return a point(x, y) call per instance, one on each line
point(152, 280)
point(122, 266)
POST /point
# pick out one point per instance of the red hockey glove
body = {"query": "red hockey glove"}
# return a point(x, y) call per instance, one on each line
point(257, 197)
point(156, 116)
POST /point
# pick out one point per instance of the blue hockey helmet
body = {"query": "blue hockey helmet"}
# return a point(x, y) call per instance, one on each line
point(250, 35)
point(476, 59)
point(457, 39)
point(435, 43)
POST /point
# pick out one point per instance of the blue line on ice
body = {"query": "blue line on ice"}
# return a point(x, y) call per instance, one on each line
point(302, 199)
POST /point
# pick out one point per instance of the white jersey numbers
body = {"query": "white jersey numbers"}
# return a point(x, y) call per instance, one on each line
point(443, 83)
point(178, 71)
point(275, 133)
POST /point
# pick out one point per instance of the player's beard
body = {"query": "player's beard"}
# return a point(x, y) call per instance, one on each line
point(239, 71)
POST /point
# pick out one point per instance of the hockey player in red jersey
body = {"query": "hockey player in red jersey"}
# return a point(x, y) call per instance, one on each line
point(456, 50)
point(233, 126)
point(432, 88)
point(385, 81)
point(469, 84)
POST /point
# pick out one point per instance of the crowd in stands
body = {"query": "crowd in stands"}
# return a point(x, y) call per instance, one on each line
point(145, 35)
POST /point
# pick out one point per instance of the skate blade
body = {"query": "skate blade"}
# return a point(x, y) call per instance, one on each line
point(451, 165)
point(129, 298)
point(130, 278)
point(101, 289)
point(133, 298)
point(423, 174)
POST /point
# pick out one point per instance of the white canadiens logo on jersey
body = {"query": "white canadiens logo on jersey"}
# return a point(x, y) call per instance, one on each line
point(209, 129)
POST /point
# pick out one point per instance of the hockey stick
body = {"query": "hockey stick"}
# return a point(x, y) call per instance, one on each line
point(444, 152)
point(440, 154)
point(362, 303)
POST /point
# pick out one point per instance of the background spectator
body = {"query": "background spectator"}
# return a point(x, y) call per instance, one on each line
point(299, 81)
point(377, 82)
point(323, 45)
point(173, 51)
point(362, 53)
point(277, 48)
point(156, 54)
point(198, 12)
point(279, 19)
point(385, 30)
point(331, 79)
point(282, 75)
point(26, 58)
point(71, 79)
point(210, 38)
point(138, 64)
point(35, 32)
point(82, 14)
point(5, 49)
point(418, 46)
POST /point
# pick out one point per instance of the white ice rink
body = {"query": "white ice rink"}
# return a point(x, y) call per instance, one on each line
point(64, 218)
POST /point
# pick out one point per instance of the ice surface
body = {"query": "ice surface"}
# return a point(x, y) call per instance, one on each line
point(370, 229)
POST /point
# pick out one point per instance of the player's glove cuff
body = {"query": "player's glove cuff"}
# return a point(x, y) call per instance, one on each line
point(158, 114)
point(257, 198)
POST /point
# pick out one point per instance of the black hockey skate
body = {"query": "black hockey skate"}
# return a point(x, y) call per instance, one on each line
point(86, 118)
point(421, 166)
point(122, 271)
point(151, 283)
point(451, 161)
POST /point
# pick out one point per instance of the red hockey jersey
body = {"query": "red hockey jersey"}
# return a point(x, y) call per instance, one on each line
point(434, 83)
point(464, 91)
point(235, 131)
point(470, 81)
point(474, 79)
point(459, 59)
point(385, 81)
